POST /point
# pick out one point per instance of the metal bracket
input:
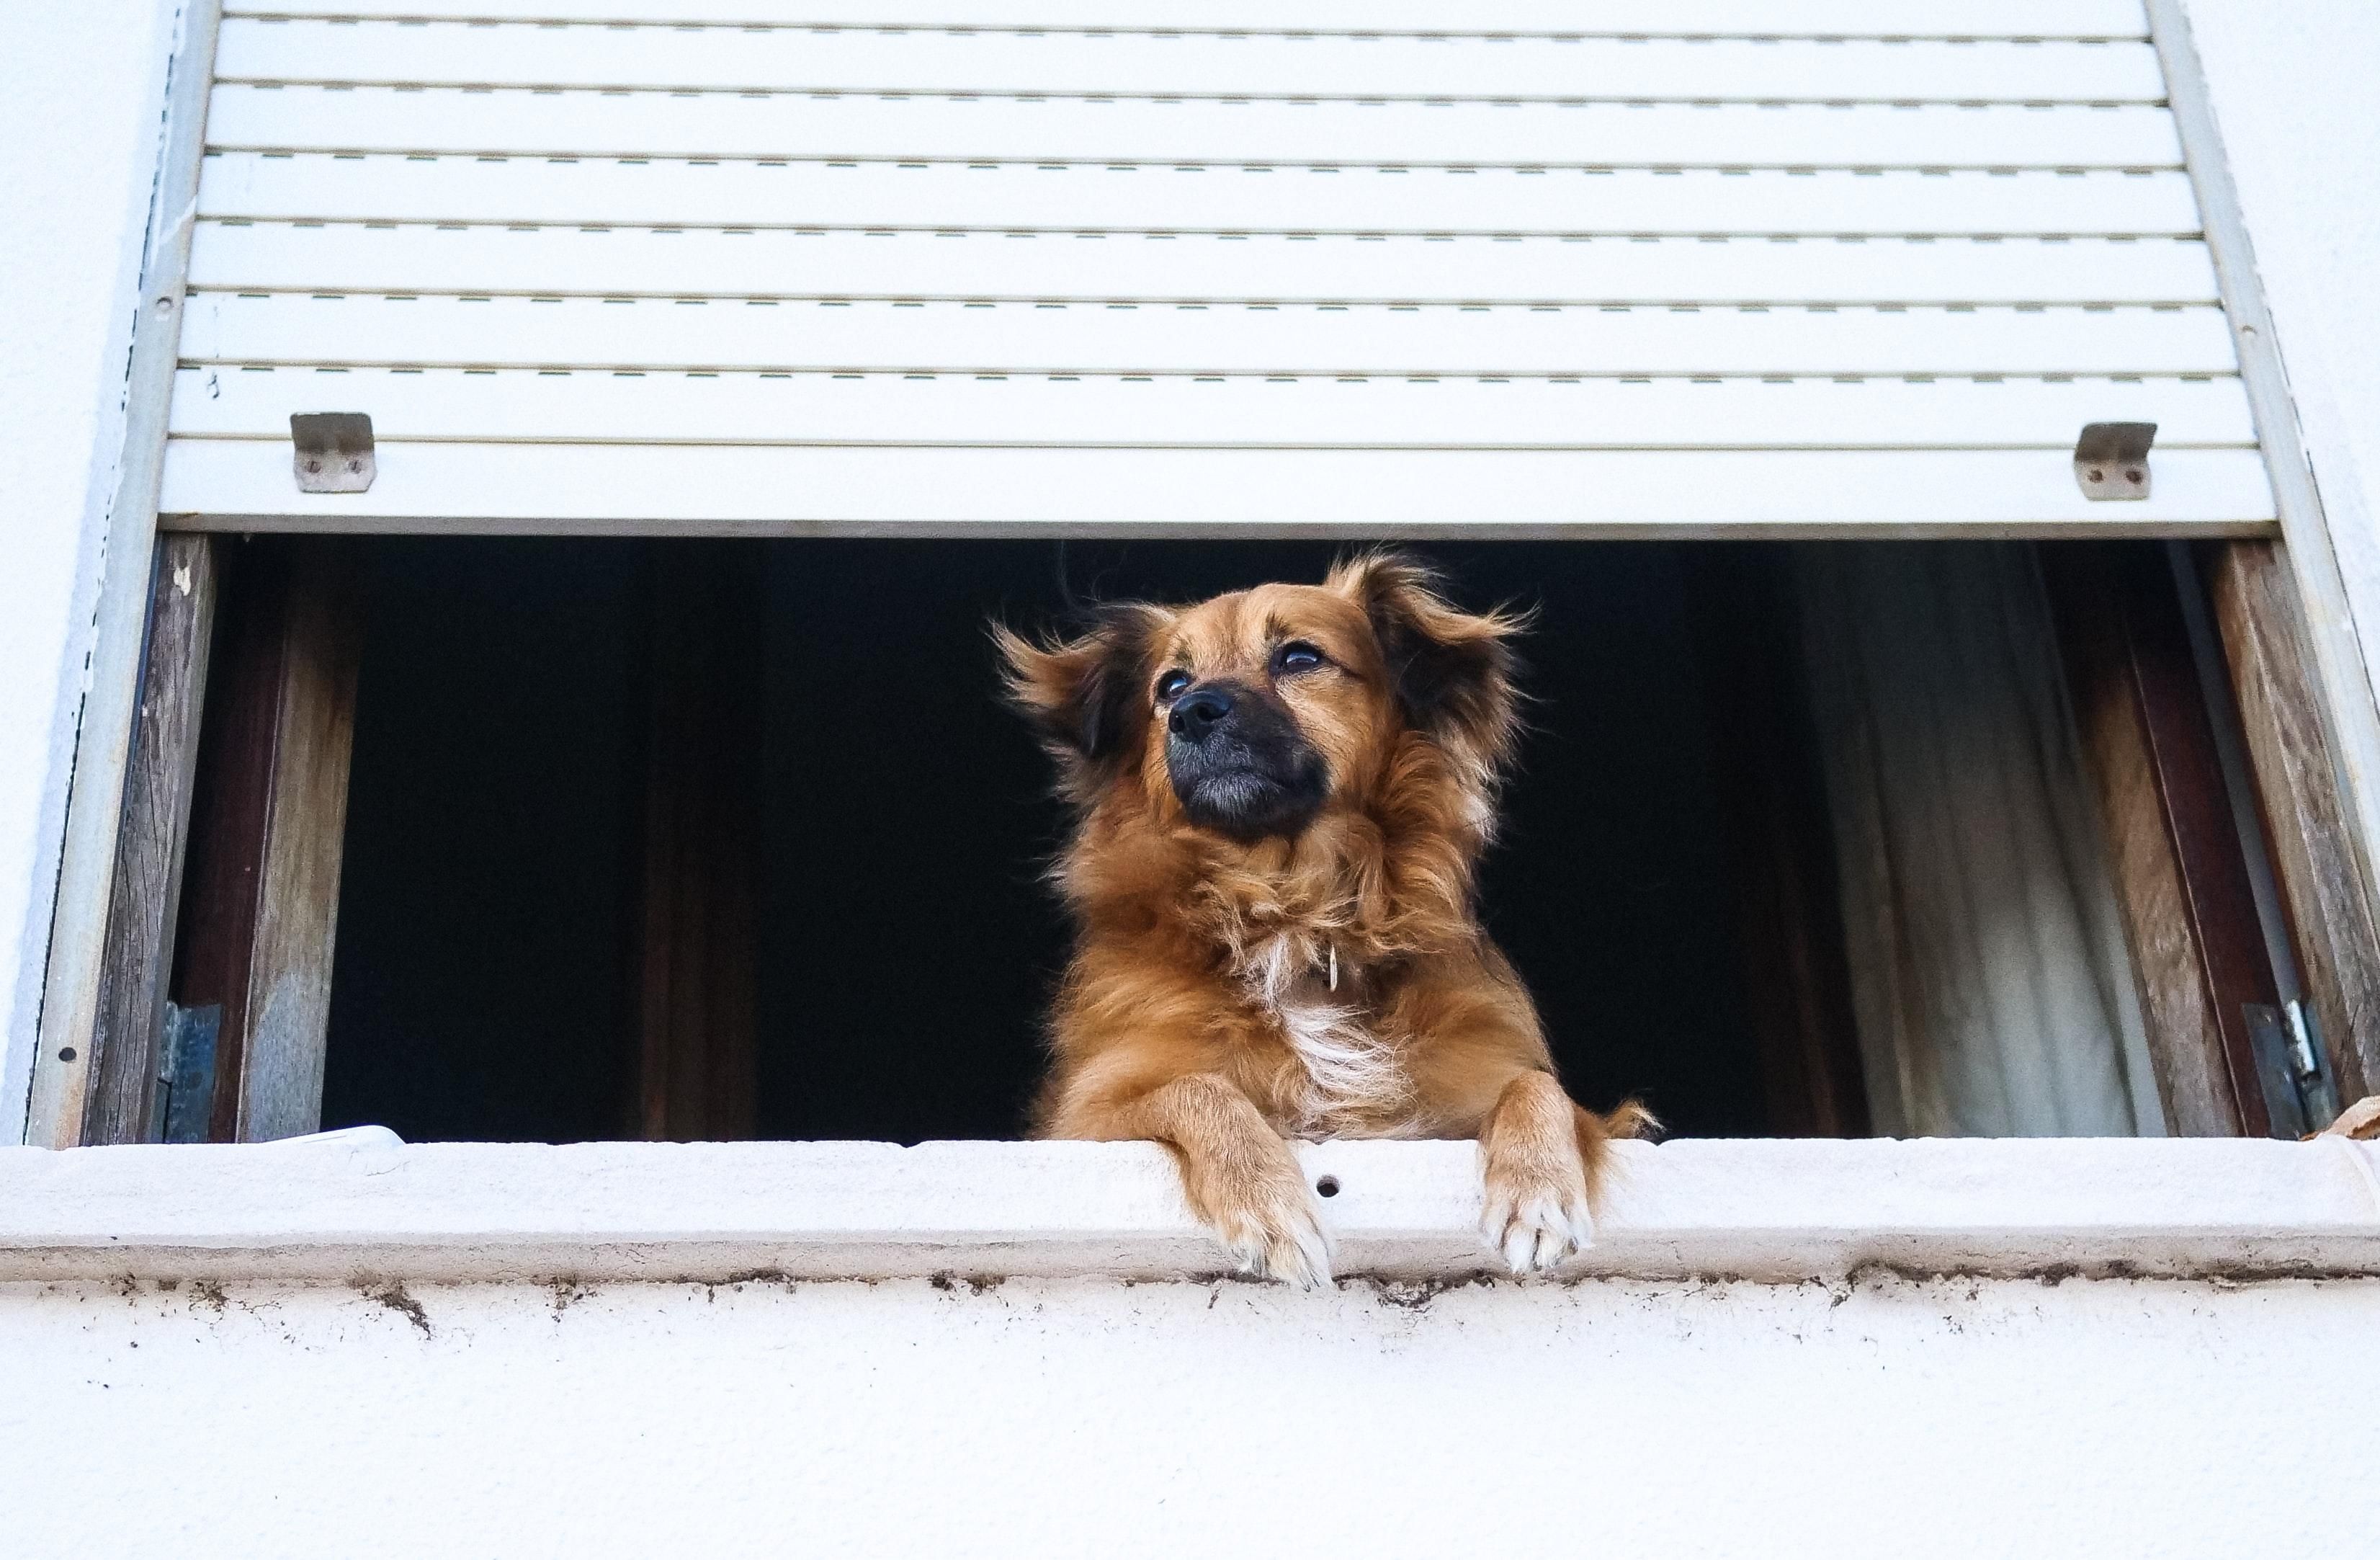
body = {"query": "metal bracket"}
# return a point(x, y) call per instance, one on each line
point(2111, 459)
point(334, 451)
point(2315, 1087)
point(2269, 1042)
point(2299, 1094)
point(186, 1068)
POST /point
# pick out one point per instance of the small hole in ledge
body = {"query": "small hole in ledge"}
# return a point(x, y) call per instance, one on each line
point(1327, 1186)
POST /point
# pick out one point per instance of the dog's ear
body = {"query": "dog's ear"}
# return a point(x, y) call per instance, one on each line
point(1454, 671)
point(1088, 696)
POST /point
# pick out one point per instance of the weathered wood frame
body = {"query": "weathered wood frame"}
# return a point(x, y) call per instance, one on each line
point(78, 946)
point(262, 896)
point(150, 844)
point(226, 884)
point(2183, 885)
point(2324, 896)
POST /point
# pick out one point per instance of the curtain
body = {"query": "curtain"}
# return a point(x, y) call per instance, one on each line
point(1991, 983)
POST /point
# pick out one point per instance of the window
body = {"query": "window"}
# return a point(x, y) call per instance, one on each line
point(564, 838)
point(999, 278)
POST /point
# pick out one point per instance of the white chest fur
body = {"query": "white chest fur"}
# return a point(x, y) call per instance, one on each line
point(1351, 1073)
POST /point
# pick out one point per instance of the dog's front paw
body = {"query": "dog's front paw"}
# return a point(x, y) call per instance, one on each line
point(1536, 1215)
point(1272, 1229)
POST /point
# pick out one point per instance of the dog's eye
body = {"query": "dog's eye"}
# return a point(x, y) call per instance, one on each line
point(1171, 683)
point(1296, 656)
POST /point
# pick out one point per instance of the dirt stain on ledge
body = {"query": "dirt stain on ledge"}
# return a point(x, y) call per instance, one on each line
point(1416, 1294)
point(394, 1296)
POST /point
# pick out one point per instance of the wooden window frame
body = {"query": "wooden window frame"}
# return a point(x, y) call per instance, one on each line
point(2233, 876)
point(2233, 868)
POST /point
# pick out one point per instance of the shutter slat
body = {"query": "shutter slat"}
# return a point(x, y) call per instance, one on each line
point(297, 328)
point(1236, 412)
point(653, 123)
point(244, 484)
point(1208, 65)
point(996, 197)
point(1934, 18)
point(347, 258)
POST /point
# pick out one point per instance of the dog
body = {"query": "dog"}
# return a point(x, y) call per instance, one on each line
point(1279, 798)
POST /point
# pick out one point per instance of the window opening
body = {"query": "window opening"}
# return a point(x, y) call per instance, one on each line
point(681, 838)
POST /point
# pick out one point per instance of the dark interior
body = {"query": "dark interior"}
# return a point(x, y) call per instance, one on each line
point(905, 944)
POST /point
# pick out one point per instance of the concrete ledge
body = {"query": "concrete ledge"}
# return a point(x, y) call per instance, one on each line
point(361, 1205)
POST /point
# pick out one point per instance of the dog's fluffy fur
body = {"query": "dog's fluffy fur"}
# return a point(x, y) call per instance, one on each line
point(1282, 796)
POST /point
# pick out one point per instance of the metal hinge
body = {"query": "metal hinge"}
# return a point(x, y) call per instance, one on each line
point(2300, 1096)
point(185, 1074)
point(334, 451)
point(2111, 459)
point(2315, 1086)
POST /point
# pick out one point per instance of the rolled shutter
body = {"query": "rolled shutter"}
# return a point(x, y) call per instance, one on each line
point(1511, 267)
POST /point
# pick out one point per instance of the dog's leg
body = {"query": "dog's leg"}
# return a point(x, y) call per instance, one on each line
point(1543, 1155)
point(1242, 1179)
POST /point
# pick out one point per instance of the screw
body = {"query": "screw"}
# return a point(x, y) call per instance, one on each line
point(2097, 475)
point(2133, 476)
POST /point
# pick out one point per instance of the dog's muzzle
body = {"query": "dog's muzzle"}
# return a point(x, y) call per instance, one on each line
point(1238, 764)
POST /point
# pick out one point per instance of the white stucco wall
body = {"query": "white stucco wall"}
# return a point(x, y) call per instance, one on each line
point(313, 1346)
point(2292, 86)
point(81, 100)
point(1058, 1417)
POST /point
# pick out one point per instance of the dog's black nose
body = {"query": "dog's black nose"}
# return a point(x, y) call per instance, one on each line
point(1197, 712)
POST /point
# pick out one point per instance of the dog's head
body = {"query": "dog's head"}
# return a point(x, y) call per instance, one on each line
point(1250, 715)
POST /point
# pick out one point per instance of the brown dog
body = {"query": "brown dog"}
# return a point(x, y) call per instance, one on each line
point(1282, 796)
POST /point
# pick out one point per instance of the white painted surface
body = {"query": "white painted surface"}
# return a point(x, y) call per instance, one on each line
point(1873, 1414)
point(586, 123)
point(1065, 270)
point(994, 198)
point(1737, 18)
point(1326, 345)
point(1180, 64)
point(80, 89)
point(358, 1203)
point(1080, 1418)
point(668, 406)
point(2292, 92)
point(784, 490)
point(1485, 206)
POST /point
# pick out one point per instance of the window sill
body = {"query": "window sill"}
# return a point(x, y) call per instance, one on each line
point(362, 1204)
